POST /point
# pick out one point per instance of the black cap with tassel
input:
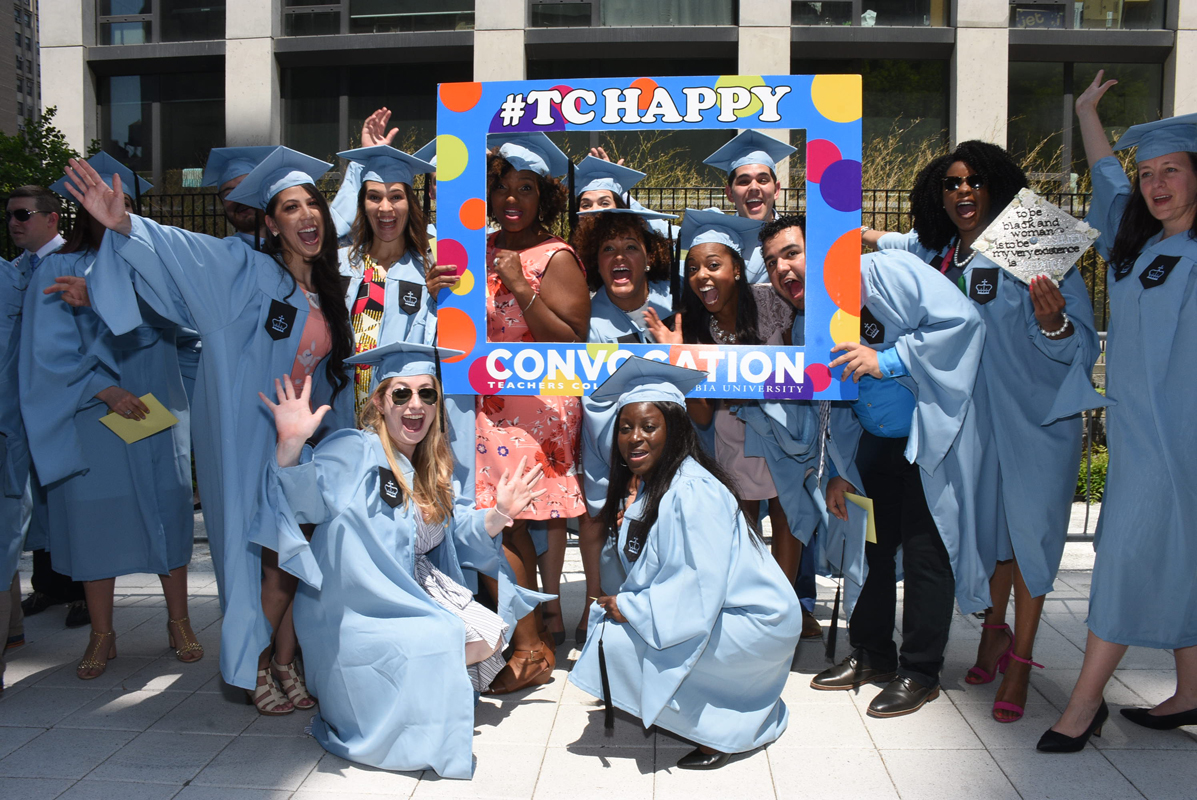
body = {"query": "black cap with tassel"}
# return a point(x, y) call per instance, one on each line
point(608, 706)
point(835, 606)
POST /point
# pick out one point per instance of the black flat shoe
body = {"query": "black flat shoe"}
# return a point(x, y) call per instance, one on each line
point(1160, 722)
point(77, 614)
point(580, 636)
point(700, 760)
point(849, 674)
point(902, 696)
point(1056, 742)
point(37, 602)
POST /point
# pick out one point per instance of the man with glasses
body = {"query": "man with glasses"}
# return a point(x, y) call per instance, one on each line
point(32, 215)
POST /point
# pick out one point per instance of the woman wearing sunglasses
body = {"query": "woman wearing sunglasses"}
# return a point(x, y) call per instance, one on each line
point(1032, 385)
point(381, 611)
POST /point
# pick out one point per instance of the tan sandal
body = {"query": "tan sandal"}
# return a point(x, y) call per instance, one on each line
point(187, 637)
point(535, 669)
point(293, 684)
point(91, 656)
point(269, 701)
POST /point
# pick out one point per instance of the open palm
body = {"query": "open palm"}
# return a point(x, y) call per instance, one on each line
point(293, 415)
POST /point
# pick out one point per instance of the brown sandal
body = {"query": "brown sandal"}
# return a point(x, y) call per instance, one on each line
point(189, 645)
point(91, 661)
point(293, 685)
point(267, 698)
point(534, 667)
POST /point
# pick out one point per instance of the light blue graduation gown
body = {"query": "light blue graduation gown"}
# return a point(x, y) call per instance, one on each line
point(1143, 591)
point(386, 661)
point(418, 327)
point(610, 324)
point(14, 447)
point(224, 290)
point(1029, 396)
point(114, 508)
point(939, 337)
point(712, 623)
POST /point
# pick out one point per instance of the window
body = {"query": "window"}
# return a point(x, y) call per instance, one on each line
point(20, 64)
point(322, 17)
point(142, 21)
point(20, 85)
point(1087, 14)
point(28, 43)
point(20, 109)
point(623, 13)
point(869, 13)
point(18, 40)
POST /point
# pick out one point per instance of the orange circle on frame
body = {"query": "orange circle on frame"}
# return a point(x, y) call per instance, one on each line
point(841, 275)
point(473, 213)
point(455, 330)
point(460, 97)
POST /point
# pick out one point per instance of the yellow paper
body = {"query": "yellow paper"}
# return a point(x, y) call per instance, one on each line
point(867, 504)
point(134, 430)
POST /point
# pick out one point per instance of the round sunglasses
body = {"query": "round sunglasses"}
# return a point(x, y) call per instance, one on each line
point(952, 183)
point(402, 394)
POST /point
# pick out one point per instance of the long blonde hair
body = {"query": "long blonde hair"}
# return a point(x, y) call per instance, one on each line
point(432, 459)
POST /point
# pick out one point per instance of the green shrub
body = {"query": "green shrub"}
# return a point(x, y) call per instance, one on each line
point(1097, 479)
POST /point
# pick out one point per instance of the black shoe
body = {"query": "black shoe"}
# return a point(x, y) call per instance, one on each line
point(77, 614)
point(37, 602)
point(1056, 742)
point(904, 695)
point(849, 674)
point(811, 629)
point(697, 759)
point(1160, 722)
point(580, 636)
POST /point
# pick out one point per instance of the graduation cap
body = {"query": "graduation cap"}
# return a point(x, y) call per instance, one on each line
point(106, 165)
point(1159, 138)
point(405, 360)
point(640, 380)
point(531, 151)
point(427, 153)
point(645, 214)
point(750, 147)
point(713, 226)
point(226, 163)
point(387, 164)
point(281, 169)
point(595, 174)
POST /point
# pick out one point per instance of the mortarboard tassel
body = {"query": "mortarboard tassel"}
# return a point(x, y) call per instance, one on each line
point(428, 197)
point(675, 272)
point(608, 706)
point(835, 606)
point(258, 229)
point(573, 202)
point(436, 358)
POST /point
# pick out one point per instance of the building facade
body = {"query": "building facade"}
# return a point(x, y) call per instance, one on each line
point(20, 88)
point(158, 83)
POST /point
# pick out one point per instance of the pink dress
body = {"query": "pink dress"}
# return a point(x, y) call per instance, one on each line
point(545, 429)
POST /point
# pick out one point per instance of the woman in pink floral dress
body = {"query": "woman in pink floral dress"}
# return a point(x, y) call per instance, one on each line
point(535, 292)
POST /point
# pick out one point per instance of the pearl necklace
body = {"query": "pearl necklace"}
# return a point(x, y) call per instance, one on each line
point(719, 335)
point(956, 254)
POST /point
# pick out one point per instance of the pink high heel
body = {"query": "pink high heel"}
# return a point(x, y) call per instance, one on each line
point(1002, 705)
point(977, 676)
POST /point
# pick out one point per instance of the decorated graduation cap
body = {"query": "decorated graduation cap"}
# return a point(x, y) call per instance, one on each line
point(645, 214)
point(387, 164)
point(107, 166)
point(403, 360)
point(226, 163)
point(713, 226)
point(281, 169)
point(595, 174)
point(427, 153)
point(1159, 138)
point(640, 380)
point(531, 151)
point(750, 147)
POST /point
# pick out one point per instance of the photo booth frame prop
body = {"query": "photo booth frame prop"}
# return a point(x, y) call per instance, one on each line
point(827, 107)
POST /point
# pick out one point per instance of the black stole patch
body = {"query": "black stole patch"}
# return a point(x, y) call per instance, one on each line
point(409, 296)
point(1157, 271)
point(983, 283)
point(388, 488)
point(280, 320)
point(1122, 271)
point(630, 338)
point(872, 331)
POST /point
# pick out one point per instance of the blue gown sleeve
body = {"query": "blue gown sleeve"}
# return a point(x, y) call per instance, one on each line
point(479, 551)
point(315, 491)
point(1111, 192)
point(14, 448)
point(693, 538)
point(61, 370)
point(344, 206)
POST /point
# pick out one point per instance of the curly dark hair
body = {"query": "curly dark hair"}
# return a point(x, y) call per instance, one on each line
point(554, 199)
point(779, 224)
point(1137, 226)
point(1003, 178)
point(326, 280)
point(595, 229)
point(681, 442)
point(696, 320)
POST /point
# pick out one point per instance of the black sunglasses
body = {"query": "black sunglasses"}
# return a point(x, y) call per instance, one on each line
point(401, 395)
point(952, 183)
point(21, 215)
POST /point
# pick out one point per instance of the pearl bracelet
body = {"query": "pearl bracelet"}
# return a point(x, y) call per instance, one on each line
point(1054, 334)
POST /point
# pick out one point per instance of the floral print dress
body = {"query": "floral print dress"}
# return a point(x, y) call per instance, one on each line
point(544, 429)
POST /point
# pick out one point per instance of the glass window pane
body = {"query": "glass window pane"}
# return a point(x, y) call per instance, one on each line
point(191, 20)
point(824, 13)
point(621, 13)
point(387, 16)
point(126, 119)
point(113, 8)
point(311, 98)
point(192, 116)
point(1136, 98)
point(1041, 15)
point(124, 32)
point(561, 15)
point(905, 13)
point(1035, 101)
point(314, 23)
point(1120, 14)
point(409, 90)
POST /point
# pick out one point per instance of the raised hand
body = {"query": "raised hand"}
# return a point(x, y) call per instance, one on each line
point(660, 330)
point(374, 129)
point(1087, 100)
point(106, 206)
point(293, 418)
point(1048, 304)
point(73, 288)
point(123, 402)
point(442, 276)
point(514, 494)
point(860, 360)
point(599, 152)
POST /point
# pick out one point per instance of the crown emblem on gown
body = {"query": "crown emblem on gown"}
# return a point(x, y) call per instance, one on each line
point(871, 330)
point(279, 323)
point(1156, 273)
point(410, 298)
point(984, 287)
point(391, 489)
